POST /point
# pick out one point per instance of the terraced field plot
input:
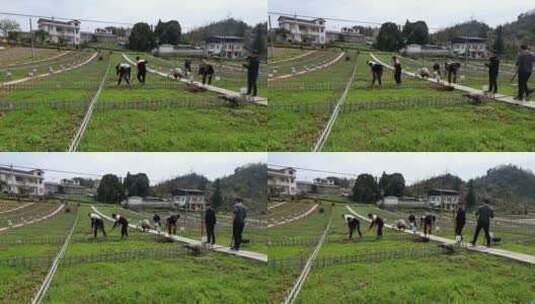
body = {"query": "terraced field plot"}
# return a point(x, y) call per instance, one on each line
point(396, 268)
point(163, 115)
point(301, 105)
point(144, 268)
point(21, 55)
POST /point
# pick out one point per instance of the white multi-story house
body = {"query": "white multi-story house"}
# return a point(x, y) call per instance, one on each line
point(444, 199)
point(282, 181)
point(473, 47)
point(58, 31)
point(303, 30)
point(225, 46)
point(191, 199)
point(14, 181)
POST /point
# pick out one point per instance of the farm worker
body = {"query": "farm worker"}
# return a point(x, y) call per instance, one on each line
point(187, 66)
point(494, 68)
point(121, 220)
point(210, 221)
point(178, 73)
point(483, 214)
point(378, 222)
point(436, 70)
point(97, 223)
point(377, 72)
point(423, 72)
point(171, 223)
point(460, 221)
point(352, 224)
point(141, 69)
point(238, 223)
point(452, 68)
point(253, 68)
point(412, 223)
point(397, 69)
point(145, 225)
point(524, 64)
point(206, 70)
point(428, 221)
point(157, 221)
point(400, 224)
point(123, 70)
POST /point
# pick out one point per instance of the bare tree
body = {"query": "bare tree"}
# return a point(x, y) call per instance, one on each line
point(8, 25)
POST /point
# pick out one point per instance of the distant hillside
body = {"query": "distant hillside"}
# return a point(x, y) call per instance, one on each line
point(521, 31)
point(471, 28)
point(228, 27)
point(507, 187)
point(247, 182)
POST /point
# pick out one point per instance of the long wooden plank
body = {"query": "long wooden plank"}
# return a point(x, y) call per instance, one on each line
point(520, 257)
point(293, 219)
point(218, 248)
point(17, 208)
point(35, 220)
point(316, 68)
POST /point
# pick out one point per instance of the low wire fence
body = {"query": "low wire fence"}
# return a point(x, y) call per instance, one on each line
point(314, 240)
point(296, 263)
point(128, 255)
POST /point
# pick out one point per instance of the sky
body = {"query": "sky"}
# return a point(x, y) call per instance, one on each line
point(413, 166)
point(190, 13)
point(158, 166)
point(437, 14)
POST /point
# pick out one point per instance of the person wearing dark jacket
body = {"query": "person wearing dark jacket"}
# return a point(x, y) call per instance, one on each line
point(494, 69)
point(97, 223)
point(187, 66)
point(171, 223)
point(428, 221)
point(352, 224)
point(412, 223)
point(524, 65)
point(157, 221)
point(210, 220)
point(397, 69)
point(206, 70)
point(141, 69)
point(483, 214)
point(452, 68)
point(460, 221)
point(377, 72)
point(253, 68)
point(121, 220)
point(436, 69)
point(238, 224)
point(378, 222)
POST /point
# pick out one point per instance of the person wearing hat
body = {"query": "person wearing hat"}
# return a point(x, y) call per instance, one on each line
point(253, 68)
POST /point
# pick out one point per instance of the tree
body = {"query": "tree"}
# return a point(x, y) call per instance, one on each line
point(392, 184)
point(366, 189)
point(137, 184)
point(499, 45)
point(142, 38)
point(217, 197)
point(168, 32)
point(7, 26)
point(416, 32)
point(41, 35)
point(470, 198)
point(390, 38)
point(110, 189)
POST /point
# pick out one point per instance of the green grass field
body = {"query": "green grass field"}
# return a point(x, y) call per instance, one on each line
point(22, 55)
point(436, 278)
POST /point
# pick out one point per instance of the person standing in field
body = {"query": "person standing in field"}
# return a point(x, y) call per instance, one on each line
point(157, 221)
point(452, 68)
point(460, 221)
point(187, 66)
point(123, 70)
point(352, 224)
point(377, 73)
point(206, 71)
point(378, 222)
point(141, 69)
point(171, 224)
point(253, 68)
point(123, 222)
point(494, 69)
point(428, 221)
point(210, 220)
point(97, 223)
point(238, 224)
point(397, 69)
point(524, 66)
point(483, 214)
point(436, 70)
point(412, 223)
